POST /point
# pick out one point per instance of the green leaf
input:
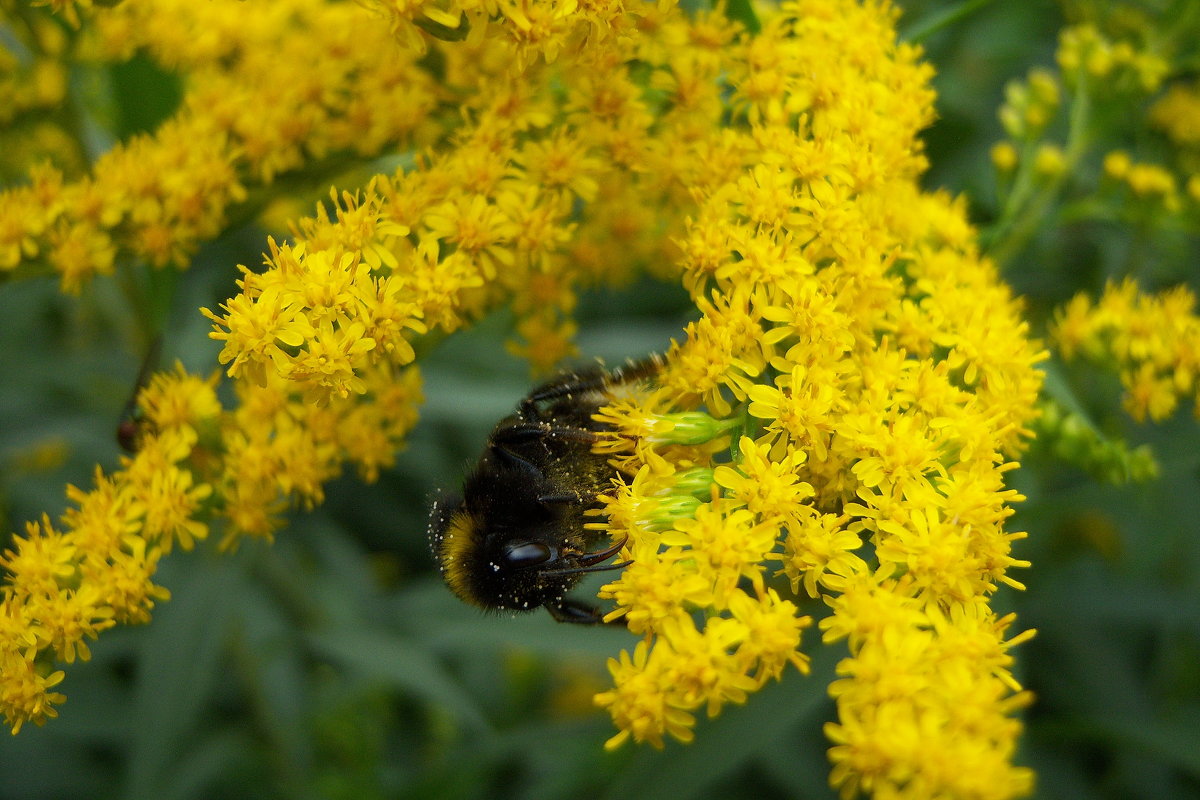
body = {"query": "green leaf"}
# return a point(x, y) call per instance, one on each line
point(177, 670)
point(742, 11)
point(403, 663)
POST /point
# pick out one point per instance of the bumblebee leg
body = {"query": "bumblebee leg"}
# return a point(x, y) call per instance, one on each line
point(573, 611)
point(592, 379)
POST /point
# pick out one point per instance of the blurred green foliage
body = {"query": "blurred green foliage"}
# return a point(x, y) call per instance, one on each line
point(333, 664)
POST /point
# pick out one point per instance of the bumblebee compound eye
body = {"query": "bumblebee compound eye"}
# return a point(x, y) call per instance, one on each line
point(527, 554)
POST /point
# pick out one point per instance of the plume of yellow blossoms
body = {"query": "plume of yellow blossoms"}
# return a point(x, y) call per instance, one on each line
point(881, 379)
point(1152, 341)
point(491, 213)
point(295, 84)
point(878, 368)
point(865, 377)
point(197, 463)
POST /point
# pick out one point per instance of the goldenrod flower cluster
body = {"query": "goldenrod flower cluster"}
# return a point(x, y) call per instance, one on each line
point(31, 89)
point(1151, 185)
point(1111, 68)
point(1030, 105)
point(294, 84)
point(1152, 341)
point(196, 464)
point(1177, 114)
point(493, 218)
point(1085, 53)
point(881, 378)
point(836, 424)
point(1096, 108)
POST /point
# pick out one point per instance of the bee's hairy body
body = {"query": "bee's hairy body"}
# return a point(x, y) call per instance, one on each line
point(515, 538)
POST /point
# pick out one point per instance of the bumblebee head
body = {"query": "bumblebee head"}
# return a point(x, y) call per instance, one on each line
point(498, 568)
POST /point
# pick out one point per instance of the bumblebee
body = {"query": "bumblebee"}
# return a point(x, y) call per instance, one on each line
point(515, 539)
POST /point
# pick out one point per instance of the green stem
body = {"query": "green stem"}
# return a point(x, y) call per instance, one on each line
point(1025, 211)
point(150, 293)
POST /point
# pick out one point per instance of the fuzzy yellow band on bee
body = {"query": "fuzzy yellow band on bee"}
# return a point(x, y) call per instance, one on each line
point(456, 549)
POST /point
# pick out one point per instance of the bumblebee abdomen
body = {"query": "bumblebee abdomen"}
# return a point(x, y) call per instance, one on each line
point(453, 537)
